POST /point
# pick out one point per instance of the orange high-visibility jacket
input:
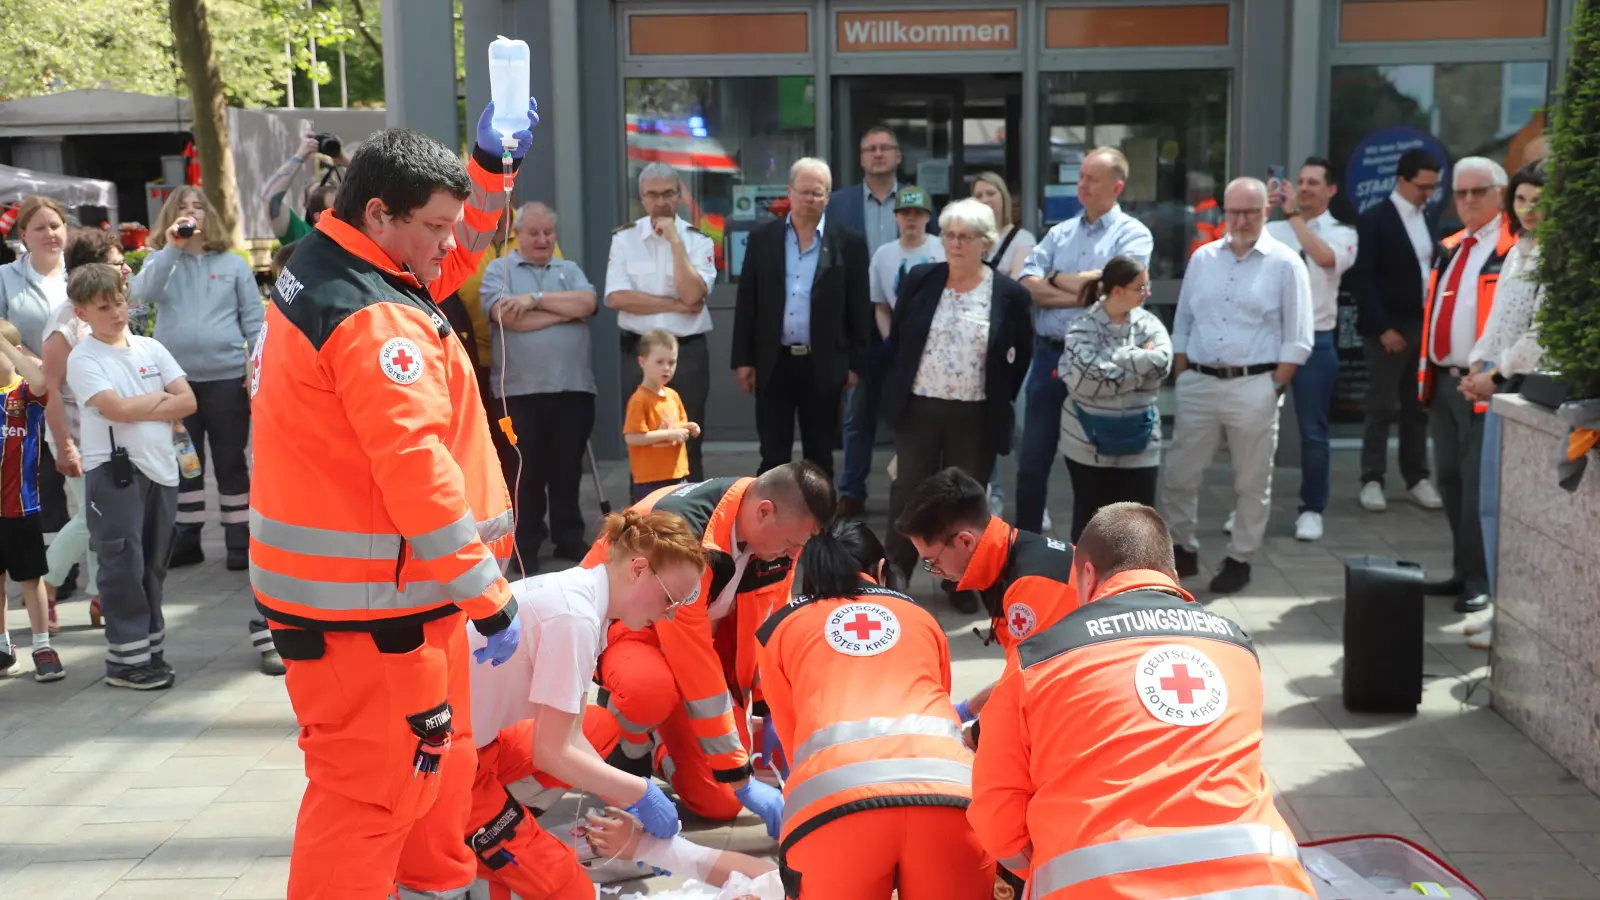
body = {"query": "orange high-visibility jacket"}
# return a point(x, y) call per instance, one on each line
point(1025, 580)
point(1124, 759)
point(706, 685)
point(859, 692)
point(376, 495)
point(1488, 279)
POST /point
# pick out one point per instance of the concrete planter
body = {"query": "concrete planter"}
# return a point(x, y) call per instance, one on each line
point(1546, 656)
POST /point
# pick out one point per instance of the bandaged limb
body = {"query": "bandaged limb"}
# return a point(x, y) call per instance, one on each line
point(617, 833)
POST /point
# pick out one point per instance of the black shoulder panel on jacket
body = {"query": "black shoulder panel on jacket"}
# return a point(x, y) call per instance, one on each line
point(1135, 614)
point(324, 284)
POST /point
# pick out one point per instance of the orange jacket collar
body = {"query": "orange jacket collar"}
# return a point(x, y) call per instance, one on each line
point(989, 558)
point(1140, 580)
point(351, 239)
point(719, 528)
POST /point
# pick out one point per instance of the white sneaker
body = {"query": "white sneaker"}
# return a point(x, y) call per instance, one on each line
point(1372, 499)
point(1483, 640)
point(1308, 527)
point(1425, 495)
point(1227, 527)
point(1045, 525)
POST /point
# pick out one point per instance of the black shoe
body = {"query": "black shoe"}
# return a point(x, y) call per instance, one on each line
point(1187, 561)
point(1471, 602)
point(186, 554)
point(850, 508)
point(160, 664)
point(574, 552)
point(69, 585)
point(8, 657)
point(1233, 577)
point(47, 665)
point(641, 767)
point(272, 663)
point(238, 560)
point(1449, 587)
point(143, 678)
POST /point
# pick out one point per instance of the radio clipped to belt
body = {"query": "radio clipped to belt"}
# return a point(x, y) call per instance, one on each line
point(433, 729)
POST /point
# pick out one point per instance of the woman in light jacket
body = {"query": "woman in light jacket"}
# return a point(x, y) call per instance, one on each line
point(1116, 356)
point(208, 313)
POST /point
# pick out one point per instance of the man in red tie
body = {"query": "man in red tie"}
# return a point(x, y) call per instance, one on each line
point(1460, 296)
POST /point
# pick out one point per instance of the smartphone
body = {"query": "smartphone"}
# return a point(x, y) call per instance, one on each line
point(1277, 178)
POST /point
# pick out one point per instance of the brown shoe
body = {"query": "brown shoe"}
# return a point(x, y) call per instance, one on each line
point(850, 508)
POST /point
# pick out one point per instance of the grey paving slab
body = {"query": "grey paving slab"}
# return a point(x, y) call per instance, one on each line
point(193, 793)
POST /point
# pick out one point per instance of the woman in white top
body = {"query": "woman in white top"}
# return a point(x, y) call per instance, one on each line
point(528, 714)
point(1509, 347)
point(32, 287)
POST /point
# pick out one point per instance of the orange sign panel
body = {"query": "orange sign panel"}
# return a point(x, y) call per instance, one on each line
point(953, 29)
point(707, 35)
point(1137, 26)
point(1441, 20)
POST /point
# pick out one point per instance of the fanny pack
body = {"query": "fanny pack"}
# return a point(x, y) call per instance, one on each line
point(1117, 435)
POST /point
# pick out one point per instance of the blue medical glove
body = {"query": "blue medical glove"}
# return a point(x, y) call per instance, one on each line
point(502, 644)
point(489, 139)
point(765, 801)
point(656, 812)
point(964, 712)
point(771, 749)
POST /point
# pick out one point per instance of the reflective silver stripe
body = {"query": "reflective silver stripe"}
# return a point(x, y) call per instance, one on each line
point(491, 530)
point(308, 541)
point(627, 724)
point(1260, 892)
point(445, 541)
point(709, 708)
point(347, 595)
point(668, 768)
point(722, 743)
point(1159, 851)
point(1015, 864)
point(878, 726)
point(474, 581)
point(878, 771)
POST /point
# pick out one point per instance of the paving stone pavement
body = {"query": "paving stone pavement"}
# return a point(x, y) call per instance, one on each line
point(192, 793)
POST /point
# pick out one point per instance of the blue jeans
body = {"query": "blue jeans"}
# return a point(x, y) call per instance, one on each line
point(861, 421)
point(1313, 394)
point(1489, 492)
point(1041, 434)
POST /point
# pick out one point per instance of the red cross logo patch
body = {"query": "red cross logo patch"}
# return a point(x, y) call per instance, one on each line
point(400, 360)
point(862, 629)
point(1020, 620)
point(1180, 685)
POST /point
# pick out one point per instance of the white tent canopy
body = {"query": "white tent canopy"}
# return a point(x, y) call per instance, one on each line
point(94, 111)
point(18, 183)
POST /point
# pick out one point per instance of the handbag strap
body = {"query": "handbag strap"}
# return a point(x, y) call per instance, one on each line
point(999, 254)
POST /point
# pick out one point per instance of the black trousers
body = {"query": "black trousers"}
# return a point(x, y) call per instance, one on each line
point(789, 393)
point(1457, 432)
point(931, 435)
point(222, 421)
point(552, 431)
point(692, 381)
point(1094, 487)
point(1392, 400)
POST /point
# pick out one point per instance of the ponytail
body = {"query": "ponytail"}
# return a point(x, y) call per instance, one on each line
point(833, 562)
point(1092, 292)
point(660, 537)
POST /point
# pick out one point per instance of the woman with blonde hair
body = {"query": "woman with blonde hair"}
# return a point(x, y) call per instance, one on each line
point(1014, 242)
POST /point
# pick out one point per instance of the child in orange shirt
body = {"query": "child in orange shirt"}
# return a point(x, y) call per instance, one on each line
point(656, 424)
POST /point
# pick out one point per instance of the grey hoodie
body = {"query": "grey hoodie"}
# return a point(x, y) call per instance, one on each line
point(208, 311)
point(24, 304)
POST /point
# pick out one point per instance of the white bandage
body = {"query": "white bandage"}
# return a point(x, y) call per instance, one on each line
point(677, 855)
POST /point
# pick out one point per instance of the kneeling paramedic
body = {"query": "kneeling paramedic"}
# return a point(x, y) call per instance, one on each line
point(691, 679)
point(380, 521)
point(1124, 758)
point(530, 715)
point(857, 683)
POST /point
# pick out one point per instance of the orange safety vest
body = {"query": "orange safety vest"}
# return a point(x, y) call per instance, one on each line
point(689, 641)
point(376, 494)
point(1488, 278)
point(1025, 580)
point(1208, 225)
point(1124, 758)
point(859, 692)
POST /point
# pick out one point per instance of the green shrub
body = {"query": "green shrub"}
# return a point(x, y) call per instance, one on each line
point(1569, 237)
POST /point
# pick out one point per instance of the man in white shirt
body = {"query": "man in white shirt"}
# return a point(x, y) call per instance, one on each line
point(1242, 328)
point(660, 273)
point(1328, 248)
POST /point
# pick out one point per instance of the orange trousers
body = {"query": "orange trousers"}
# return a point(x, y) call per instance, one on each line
point(645, 698)
point(517, 857)
point(385, 726)
point(924, 852)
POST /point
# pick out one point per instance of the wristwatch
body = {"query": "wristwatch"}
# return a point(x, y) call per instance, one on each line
point(538, 299)
point(1498, 377)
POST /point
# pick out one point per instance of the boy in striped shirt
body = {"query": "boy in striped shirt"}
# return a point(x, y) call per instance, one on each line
point(22, 556)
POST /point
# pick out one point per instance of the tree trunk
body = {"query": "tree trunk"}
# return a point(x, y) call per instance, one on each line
point(191, 35)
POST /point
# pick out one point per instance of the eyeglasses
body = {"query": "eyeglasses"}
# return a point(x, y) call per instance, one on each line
point(813, 196)
point(929, 563)
point(654, 196)
point(1144, 289)
point(1426, 186)
point(1476, 193)
point(959, 238)
point(672, 604)
point(1245, 213)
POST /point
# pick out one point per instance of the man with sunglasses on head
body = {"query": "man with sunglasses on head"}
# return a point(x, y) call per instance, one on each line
point(682, 688)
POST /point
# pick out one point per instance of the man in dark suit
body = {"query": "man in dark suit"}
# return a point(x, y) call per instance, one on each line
point(1396, 240)
point(801, 324)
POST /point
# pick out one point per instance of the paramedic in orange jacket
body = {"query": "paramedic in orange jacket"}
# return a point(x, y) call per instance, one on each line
point(1460, 297)
point(857, 682)
point(380, 522)
point(1025, 579)
point(1124, 758)
point(691, 680)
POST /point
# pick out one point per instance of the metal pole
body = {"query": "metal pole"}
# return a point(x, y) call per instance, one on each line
point(288, 56)
point(311, 41)
point(344, 85)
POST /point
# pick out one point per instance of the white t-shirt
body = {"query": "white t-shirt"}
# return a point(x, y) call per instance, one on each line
point(142, 367)
point(563, 616)
point(892, 260)
point(65, 322)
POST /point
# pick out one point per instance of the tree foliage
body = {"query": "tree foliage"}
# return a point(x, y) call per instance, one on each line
point(1569, 238)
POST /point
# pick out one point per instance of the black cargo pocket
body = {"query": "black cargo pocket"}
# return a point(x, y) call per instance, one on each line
point(487, 842)
point(791, 881)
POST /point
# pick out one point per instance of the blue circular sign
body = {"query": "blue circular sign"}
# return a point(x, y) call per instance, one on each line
point(1370, 173)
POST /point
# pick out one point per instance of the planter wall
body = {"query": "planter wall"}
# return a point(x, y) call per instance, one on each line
point(1546, 656)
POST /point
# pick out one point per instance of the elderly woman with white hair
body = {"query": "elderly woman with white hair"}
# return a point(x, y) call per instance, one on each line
point(960, 340)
